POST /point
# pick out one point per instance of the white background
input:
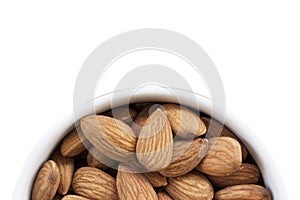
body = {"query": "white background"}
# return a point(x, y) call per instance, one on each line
point(254, 44)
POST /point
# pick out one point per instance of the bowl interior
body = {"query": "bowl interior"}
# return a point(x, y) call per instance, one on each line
point(48, 142)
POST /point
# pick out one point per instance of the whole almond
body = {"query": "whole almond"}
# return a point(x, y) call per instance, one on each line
point(186, 156)
point(94, 184)
point(72, 144)
point(66, 168)
point(97, 159)
point(110, 136)
point(133, 185)
point(214, 127)
point(184, 122)
point(74, 197)
point(190, 186)
point(243, 192)
point(156, 179)
point(162, 195)
point(46, 182)
point(155, 142)
point(223, 157)
point(246, 174)
point(124, 114)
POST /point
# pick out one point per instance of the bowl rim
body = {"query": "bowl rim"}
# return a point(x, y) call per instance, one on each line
point(41, 151)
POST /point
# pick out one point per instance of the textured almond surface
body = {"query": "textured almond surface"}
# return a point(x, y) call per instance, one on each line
point(133, 186)
point(135, 166)
point(186, 156)
point(247, 174)
point(184, 122)
point(155, 142)
point(140, 119)
point(214, 129)
point(46, 182)
point(97, 159)
point(150, 151)
point(94, 184)
point(72, 144)
point(156, 179)
point(190, 186)
point(124, 114)
point(243, 192)
point(112, 137)
point(223, 157)
point(162, 195)
point(74, 197)
point(66, 168)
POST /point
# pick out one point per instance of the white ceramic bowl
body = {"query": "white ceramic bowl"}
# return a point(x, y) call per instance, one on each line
point(45, 146)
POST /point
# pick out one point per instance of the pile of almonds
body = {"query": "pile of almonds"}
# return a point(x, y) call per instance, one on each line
point(149, 152)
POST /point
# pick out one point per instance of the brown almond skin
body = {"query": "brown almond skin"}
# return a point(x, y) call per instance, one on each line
point(66, 168)
point(243, 192)
point(46, 182)
point(140, 119)
point(186, 156)
point(72, 144)
point(110, 136)
point(156, 179)
point(223, 157)
point(93, 183)
point(155, 142)
point(162, 195)
point(135, 166)
point(247, 174)
point(74, 197)
point(214, 127)
point(125, 114)
point(184, 122)
point(97, 159)
point(190, 186)
point(133, 185)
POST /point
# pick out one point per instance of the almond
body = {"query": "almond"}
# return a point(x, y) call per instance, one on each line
point(184, 122)
point(140, 119)
point(74, 197)
point(133, 185)
point(46, 182)
point(97, 159)
point(112, 137)
point(223, 157)
point(156, 179)
point(95, 184)
point(66, 168)
point(186, 156)
point(124, 114)
point(72, 144)
point(214, 128)
point(243, 192)
point(246, 174)
point(135, 166)
point(190, 186)
point(155, 142)
point(162, 195)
